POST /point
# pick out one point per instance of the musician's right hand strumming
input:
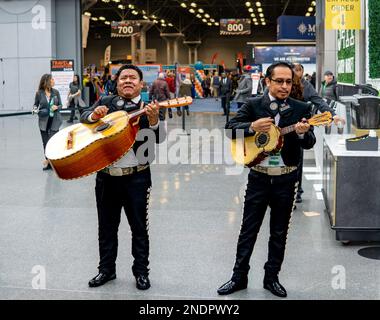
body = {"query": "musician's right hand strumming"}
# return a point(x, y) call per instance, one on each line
point(99, 112)
point(262, 125)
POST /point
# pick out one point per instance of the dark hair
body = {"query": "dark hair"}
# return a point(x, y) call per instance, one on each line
point(130, 66)
point(77, 75)
point(45, 82)
point(271, 68)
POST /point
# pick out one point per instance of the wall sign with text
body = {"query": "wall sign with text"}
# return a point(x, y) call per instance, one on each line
point(63, 72)
point(235, 27)
point(123, 29)
point(342, 14)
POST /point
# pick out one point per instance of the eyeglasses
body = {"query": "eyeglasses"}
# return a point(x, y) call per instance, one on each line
point(282, 81)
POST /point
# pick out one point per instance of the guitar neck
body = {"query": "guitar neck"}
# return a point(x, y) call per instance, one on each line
point(288, 129)
point(178, 102)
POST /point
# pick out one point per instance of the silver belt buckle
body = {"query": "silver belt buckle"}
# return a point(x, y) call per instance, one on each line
point(275, 171)
point(118, 172)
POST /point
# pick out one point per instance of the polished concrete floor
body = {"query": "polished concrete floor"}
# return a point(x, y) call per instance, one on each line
point(48, 232)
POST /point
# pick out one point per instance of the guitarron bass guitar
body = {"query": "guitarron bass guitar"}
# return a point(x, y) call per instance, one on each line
point(82, 149)
point(252, 150)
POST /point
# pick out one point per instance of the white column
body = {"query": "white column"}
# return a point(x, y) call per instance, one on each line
point(142, 46)
point(168, 55)
point(133, 49)
point(175, 43)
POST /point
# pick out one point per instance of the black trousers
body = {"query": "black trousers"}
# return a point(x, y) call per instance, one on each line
point(277, 192)
point(300, 172)
point(46, 135)
point(130, 192)
point(225, 100)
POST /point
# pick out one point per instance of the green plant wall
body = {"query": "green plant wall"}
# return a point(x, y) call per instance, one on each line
point(374, 38)
point(346, 56)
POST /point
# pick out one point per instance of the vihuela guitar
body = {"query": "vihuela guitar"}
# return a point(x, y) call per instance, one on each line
point(82, 149)
point(252, 150)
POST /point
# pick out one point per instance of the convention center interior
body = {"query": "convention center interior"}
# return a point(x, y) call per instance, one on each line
point(218, 150)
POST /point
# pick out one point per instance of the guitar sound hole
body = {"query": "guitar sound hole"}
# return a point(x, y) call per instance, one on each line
point(102, 127)
point(262, 140)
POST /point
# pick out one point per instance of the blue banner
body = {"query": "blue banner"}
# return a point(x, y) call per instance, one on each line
point(295, 28)
point(168, 67)
point(210, 66)
point(299, 54)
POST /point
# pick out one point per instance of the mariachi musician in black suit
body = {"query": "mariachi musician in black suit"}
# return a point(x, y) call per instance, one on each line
point(273, 181)
point(127, 182)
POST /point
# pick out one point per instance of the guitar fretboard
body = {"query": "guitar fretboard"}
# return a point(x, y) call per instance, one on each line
point(288, 129)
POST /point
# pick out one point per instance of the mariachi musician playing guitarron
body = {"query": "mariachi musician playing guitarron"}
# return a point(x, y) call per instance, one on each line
point(273, 181)
point(127, 182)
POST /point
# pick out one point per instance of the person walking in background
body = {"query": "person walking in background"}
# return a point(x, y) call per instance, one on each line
point(110, 85)
point(48, 103)
point(329, 88)
point(206, 83)
point(74, 99)
point(215, 83)
point(185, 91)
point(244, 89)
point(225, 90)
point(303, 90)
point(170, 80)
point(160, 91)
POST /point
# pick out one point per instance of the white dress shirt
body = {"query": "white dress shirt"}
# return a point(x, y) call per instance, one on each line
point(129, 159)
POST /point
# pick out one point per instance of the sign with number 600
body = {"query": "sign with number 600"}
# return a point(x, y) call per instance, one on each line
point(235, 26)
point(120, 29)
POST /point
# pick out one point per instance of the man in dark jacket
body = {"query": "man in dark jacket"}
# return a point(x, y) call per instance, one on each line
point(160, 91)
point(127, 182)
point(225, 91)
point(273, 181)
point(329, 88)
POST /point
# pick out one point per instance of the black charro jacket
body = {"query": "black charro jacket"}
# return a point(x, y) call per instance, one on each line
point(117, 103)
point(256, 108)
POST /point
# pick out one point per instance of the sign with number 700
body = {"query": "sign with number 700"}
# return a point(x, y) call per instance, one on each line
point(121, 29)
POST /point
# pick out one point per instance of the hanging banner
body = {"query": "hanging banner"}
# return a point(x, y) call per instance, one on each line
point(295, 28)
point(85, 29)
point(62, 71)
point(342, 14)
point(235, 27)
point(210, 67)
point(123, 29)
point(255, 82)
point(346, 56)
point(107, 55)
point(299, 54)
